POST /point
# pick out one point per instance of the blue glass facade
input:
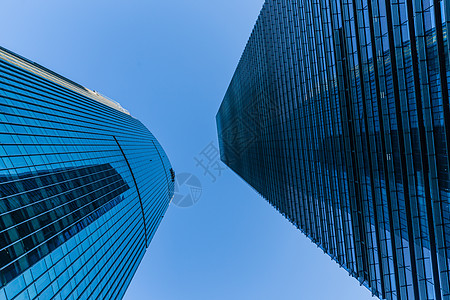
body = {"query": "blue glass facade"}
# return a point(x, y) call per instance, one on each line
point(338, 114)
point(83, 187)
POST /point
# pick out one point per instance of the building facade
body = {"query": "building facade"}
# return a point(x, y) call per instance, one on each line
point(83, 187)
point(338, 114)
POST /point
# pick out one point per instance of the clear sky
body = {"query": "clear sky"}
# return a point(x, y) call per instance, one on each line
point(169, 62)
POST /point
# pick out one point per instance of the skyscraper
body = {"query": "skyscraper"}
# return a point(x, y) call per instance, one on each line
point(338, 114)
point(83, 187)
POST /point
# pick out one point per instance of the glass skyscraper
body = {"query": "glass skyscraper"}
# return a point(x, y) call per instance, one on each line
point(338, 114)
point(83, 187)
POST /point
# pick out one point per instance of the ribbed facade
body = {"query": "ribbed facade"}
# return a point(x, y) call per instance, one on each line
point(83, 187)
point(338, 114)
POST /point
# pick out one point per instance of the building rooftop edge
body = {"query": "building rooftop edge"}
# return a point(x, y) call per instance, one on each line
point(43, 72)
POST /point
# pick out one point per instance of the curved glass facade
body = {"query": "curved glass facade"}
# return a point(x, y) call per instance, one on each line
point(338, 114)
point(83, 187)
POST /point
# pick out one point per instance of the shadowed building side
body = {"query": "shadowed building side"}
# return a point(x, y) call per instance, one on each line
point(338, 114)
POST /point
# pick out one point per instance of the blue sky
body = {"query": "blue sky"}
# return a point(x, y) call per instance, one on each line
point(169, 63)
